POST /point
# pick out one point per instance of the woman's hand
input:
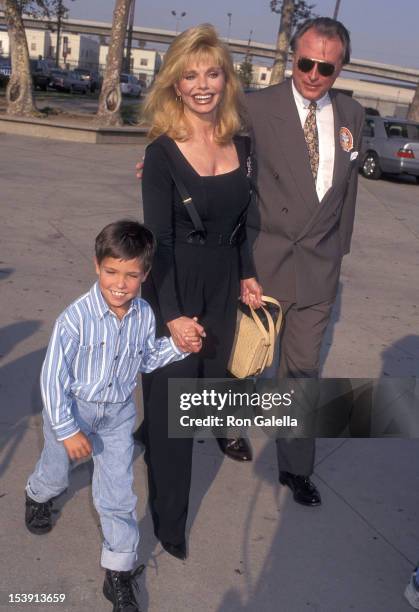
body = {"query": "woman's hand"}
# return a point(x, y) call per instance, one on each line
point(78, 446)
point(251, 292)
point(187, 333)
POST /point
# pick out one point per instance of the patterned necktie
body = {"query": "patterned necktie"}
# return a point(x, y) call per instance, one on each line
point(312, 139)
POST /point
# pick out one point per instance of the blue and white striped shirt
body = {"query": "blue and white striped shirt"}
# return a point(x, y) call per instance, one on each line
point(96, 357)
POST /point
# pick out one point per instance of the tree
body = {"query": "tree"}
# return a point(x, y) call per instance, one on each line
point(61, 12)
point(108, 113)
point(19, 90)
point(245, 71)
point(292, 12)
point(413, 113)
point(19, 94)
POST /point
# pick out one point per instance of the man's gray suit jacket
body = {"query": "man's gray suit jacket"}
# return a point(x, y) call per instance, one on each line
point(298, 242)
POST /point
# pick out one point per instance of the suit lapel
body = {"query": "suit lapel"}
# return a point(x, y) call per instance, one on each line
point(286, 124)
point(342, 157)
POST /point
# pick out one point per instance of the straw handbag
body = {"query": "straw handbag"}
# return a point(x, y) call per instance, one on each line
point(254, 339)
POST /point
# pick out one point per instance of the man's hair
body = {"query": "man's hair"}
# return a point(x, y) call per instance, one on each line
point(126, 240)
point(165, 113)
point(329, 28)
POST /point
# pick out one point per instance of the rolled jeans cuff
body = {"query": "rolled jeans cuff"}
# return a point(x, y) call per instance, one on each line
point(118, 561)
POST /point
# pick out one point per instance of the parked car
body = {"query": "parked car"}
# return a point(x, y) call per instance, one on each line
point(92, 78)
point(130, 85)
point(391, 146)
point(66, 80)
point(5, 71)
point(41, 74)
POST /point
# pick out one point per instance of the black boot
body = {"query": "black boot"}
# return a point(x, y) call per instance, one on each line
point(236, 448)
point(117, 588)
point(38, 517)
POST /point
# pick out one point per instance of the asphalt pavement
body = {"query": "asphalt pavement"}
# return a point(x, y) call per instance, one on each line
point(250, 546)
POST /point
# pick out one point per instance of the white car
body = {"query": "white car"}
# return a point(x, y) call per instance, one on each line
point(130, 85)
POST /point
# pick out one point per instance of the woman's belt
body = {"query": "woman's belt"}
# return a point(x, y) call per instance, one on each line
point(211, 239)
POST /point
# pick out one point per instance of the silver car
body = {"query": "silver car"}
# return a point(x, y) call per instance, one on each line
point(391, 146)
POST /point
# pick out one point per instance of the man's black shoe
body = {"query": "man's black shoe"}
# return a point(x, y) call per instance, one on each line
point(38, 516)
point(117, 588)
point(236, 448)
point(176, 550)
point(303, 489)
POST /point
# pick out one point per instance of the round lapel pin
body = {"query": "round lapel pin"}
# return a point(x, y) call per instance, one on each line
point(346, 139)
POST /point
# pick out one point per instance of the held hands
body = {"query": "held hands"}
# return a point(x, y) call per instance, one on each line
point(78, 446)
point(251, 292)
point(139, 168)
point(187, 334)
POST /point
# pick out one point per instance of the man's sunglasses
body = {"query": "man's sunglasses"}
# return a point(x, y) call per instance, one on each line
point(305, 64)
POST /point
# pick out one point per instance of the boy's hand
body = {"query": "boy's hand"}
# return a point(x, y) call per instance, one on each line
point(78, 446)
point(187, 334)
point(139, 168)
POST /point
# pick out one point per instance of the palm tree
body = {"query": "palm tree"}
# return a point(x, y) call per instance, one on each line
point(19, 94)
point(108, 113)
point(292, 13)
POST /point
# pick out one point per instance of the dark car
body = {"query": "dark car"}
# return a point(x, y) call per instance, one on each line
point(41, 74)
point(66, 80)
point(92, 78)
point(5, 71)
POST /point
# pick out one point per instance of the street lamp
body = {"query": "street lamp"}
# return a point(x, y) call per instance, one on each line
point(178, 18)
point(229, 15)
point(335, 14)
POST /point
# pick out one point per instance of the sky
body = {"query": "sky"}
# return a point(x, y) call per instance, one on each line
point(381, 30)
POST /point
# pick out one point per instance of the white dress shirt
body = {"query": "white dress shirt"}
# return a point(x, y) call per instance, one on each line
point(326, 132)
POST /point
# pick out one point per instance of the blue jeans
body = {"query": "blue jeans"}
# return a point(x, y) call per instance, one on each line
point(109, 427)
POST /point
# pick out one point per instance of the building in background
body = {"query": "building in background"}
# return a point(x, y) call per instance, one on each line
point(76, 50)
point(145, 63)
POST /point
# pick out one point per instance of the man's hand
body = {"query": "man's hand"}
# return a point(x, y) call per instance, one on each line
point(78, 446)
point(187, 334)
point(251, 292)
point(139, 168)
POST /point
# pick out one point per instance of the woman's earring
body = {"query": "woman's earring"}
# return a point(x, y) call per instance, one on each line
point(178, 98)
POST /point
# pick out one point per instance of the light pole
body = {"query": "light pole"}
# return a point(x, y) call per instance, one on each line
point(229, 15)
point(178, 18)
point(127, 59)
point(335, 14)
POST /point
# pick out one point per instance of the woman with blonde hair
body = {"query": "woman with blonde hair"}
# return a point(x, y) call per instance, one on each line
point(202, 263)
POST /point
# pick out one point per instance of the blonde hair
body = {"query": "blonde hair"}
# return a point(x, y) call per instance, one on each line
point(165, 114)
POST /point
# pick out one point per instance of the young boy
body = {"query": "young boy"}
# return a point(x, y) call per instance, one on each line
point(98, 346)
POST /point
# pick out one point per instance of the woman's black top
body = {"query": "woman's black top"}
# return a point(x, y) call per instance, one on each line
point(180, 269)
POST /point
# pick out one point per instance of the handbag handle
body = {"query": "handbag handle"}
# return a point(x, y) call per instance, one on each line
point(271, 300)
point(272, 332)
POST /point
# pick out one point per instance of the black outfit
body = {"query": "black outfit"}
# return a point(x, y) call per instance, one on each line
point(190, 279)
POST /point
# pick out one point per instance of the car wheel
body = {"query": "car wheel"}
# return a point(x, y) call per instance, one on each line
point(371, 166)
point(417, 179)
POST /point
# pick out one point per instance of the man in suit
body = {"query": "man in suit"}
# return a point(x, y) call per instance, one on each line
point(306, 141)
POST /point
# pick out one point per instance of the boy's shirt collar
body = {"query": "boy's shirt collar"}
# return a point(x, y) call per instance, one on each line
point(100, 306)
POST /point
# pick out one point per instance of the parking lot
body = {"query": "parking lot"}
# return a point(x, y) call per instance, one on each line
point(250, 546)
point(75, 104)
